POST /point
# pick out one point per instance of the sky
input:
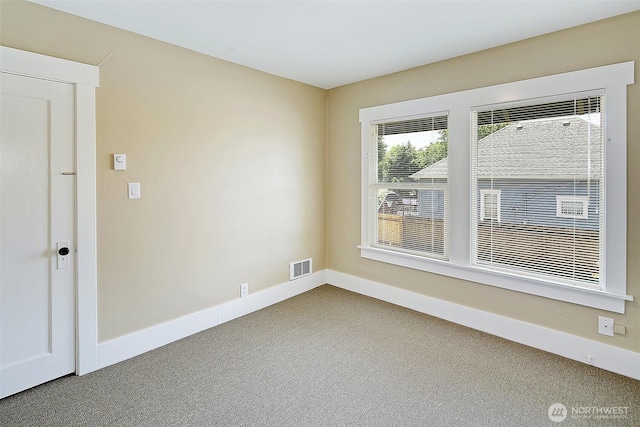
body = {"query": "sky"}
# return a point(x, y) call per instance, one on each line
point(418, 139)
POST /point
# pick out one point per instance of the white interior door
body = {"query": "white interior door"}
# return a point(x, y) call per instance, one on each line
point(37, 332)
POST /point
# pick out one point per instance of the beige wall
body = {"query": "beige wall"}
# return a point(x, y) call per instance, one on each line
point(601, 43)
point(231, 163)
point(235, 165)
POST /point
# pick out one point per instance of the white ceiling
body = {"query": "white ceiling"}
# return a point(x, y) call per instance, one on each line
point(332, 43)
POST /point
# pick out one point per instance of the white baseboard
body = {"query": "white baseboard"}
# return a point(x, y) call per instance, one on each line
point(608, 357)
point(136, 343)
point(270, 296)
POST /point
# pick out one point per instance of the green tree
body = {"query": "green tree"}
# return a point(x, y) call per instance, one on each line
point(486, 130)
point(400, 162)
point(382, 151)
point(434, 152)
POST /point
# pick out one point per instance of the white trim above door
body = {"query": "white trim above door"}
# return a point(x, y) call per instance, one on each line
point(85, 79)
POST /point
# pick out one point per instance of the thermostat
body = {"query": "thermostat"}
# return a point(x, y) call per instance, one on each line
point(119, 162)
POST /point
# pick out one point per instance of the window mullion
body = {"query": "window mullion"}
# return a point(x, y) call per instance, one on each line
point(460, 180)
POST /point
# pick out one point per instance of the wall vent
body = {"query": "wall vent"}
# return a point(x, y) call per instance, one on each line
point(300, 268)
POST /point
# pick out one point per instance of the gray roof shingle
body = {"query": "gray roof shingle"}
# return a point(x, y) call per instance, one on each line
point(558, 148)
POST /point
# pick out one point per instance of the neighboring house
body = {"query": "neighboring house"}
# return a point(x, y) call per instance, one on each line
point(537, 172)
point(392, 203)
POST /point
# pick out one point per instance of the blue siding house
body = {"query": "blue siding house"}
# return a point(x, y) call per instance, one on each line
point(543, 172)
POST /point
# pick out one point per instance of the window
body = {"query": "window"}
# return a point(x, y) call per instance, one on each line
point(408, 204)
point(572, 207)
point(527, 191)
point(533, 150)
point(490, 205)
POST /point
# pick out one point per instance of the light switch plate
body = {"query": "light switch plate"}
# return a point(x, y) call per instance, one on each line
point(119, 162)
point(134, 190)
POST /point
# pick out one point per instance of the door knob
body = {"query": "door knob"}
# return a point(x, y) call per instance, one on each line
point(64, 261)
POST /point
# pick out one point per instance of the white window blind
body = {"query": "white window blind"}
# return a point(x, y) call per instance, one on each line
point(408, 200)
point(546, 161)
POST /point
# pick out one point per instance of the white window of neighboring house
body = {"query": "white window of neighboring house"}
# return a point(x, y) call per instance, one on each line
point(572, 207)
point(490, 205)
point(432, 213)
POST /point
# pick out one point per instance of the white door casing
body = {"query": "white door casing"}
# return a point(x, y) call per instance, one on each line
point(37, 331)
point(84, 79)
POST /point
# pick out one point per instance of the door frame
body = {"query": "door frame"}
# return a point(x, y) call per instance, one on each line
point(85, 79)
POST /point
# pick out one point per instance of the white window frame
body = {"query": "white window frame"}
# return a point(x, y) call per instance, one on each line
point(584, 200)
point(483, 212)
point(613, 81)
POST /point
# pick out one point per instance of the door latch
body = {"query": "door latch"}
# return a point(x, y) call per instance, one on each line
point(64, 255)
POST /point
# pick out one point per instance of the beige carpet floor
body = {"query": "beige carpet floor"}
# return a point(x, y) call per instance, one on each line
point(330, 357)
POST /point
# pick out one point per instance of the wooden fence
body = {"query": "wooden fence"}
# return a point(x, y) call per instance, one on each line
point(411, 232)
point(567, 252)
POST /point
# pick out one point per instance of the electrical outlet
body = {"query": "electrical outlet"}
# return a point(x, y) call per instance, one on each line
point(605, 326)
point(244, 290)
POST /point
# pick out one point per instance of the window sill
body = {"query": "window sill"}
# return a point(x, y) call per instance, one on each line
point(576, 295)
